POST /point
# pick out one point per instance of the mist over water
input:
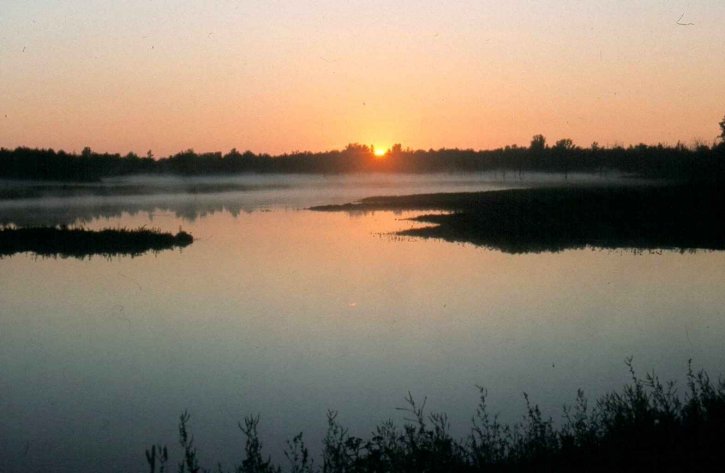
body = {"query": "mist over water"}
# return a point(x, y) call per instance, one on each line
point(285, 312)
point(188, 198)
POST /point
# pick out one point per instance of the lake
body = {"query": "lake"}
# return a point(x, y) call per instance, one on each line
point(285, 312)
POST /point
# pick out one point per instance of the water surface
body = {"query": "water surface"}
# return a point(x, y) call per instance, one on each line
point(287, 313)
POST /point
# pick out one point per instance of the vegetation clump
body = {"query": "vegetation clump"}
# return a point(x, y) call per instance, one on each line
point(81, 242)
point(645, 426)
point(646, 217)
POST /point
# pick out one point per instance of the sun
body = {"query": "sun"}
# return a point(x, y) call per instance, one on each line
point(380, 152)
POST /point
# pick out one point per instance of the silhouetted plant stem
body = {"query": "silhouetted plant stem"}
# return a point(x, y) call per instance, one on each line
point(645, 426)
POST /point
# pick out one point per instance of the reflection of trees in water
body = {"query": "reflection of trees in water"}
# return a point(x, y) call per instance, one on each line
point(74, 213)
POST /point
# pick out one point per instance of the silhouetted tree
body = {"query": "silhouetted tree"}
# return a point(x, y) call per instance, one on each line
point(538, 143)
point(677, 162)
point(358, 148)
point(233, 154)
point(720, 149)
point(562, 152)
point(564, 144)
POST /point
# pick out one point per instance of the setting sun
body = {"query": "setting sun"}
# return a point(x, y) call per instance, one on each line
point(380, 152)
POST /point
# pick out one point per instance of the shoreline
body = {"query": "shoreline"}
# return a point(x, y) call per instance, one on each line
point(552, 219)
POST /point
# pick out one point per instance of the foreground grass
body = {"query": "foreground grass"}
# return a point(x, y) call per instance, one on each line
point(678, 217)
point(646, 426)
point(81, 242)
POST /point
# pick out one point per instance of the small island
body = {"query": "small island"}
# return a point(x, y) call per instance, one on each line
point(81, 242)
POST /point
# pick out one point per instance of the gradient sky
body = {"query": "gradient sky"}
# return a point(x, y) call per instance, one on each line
point(277, 76)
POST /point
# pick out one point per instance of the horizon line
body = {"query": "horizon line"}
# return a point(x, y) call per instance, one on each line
point(692, 145)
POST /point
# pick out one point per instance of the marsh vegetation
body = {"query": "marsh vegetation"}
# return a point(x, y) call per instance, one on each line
point(645, 426)
point(79, 242)
point(651, 217)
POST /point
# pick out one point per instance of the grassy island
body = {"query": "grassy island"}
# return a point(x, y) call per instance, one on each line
point(81, 242)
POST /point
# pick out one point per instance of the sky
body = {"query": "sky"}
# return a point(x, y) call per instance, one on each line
point(276, 76)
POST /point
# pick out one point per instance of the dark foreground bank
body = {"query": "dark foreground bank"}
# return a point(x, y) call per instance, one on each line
point(672, 217)
point(80, 242)
point(644, 427)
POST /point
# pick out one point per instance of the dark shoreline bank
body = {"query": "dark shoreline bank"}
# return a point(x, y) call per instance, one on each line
point(81, 243)
point(658, 217)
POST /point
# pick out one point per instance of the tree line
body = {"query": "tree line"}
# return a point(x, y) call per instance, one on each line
point(657, 161)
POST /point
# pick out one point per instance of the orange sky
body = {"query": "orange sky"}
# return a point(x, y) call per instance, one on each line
point(278, 76)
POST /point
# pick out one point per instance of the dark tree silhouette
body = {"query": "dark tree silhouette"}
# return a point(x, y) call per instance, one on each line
point(678, 162)
point(565, 144)
point(538, 143)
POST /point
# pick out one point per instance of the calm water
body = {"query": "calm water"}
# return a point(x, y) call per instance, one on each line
point(286, 312)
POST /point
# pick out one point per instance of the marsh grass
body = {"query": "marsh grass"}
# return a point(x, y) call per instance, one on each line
point(80, 242)
point(551, 219)
point(645, 426)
